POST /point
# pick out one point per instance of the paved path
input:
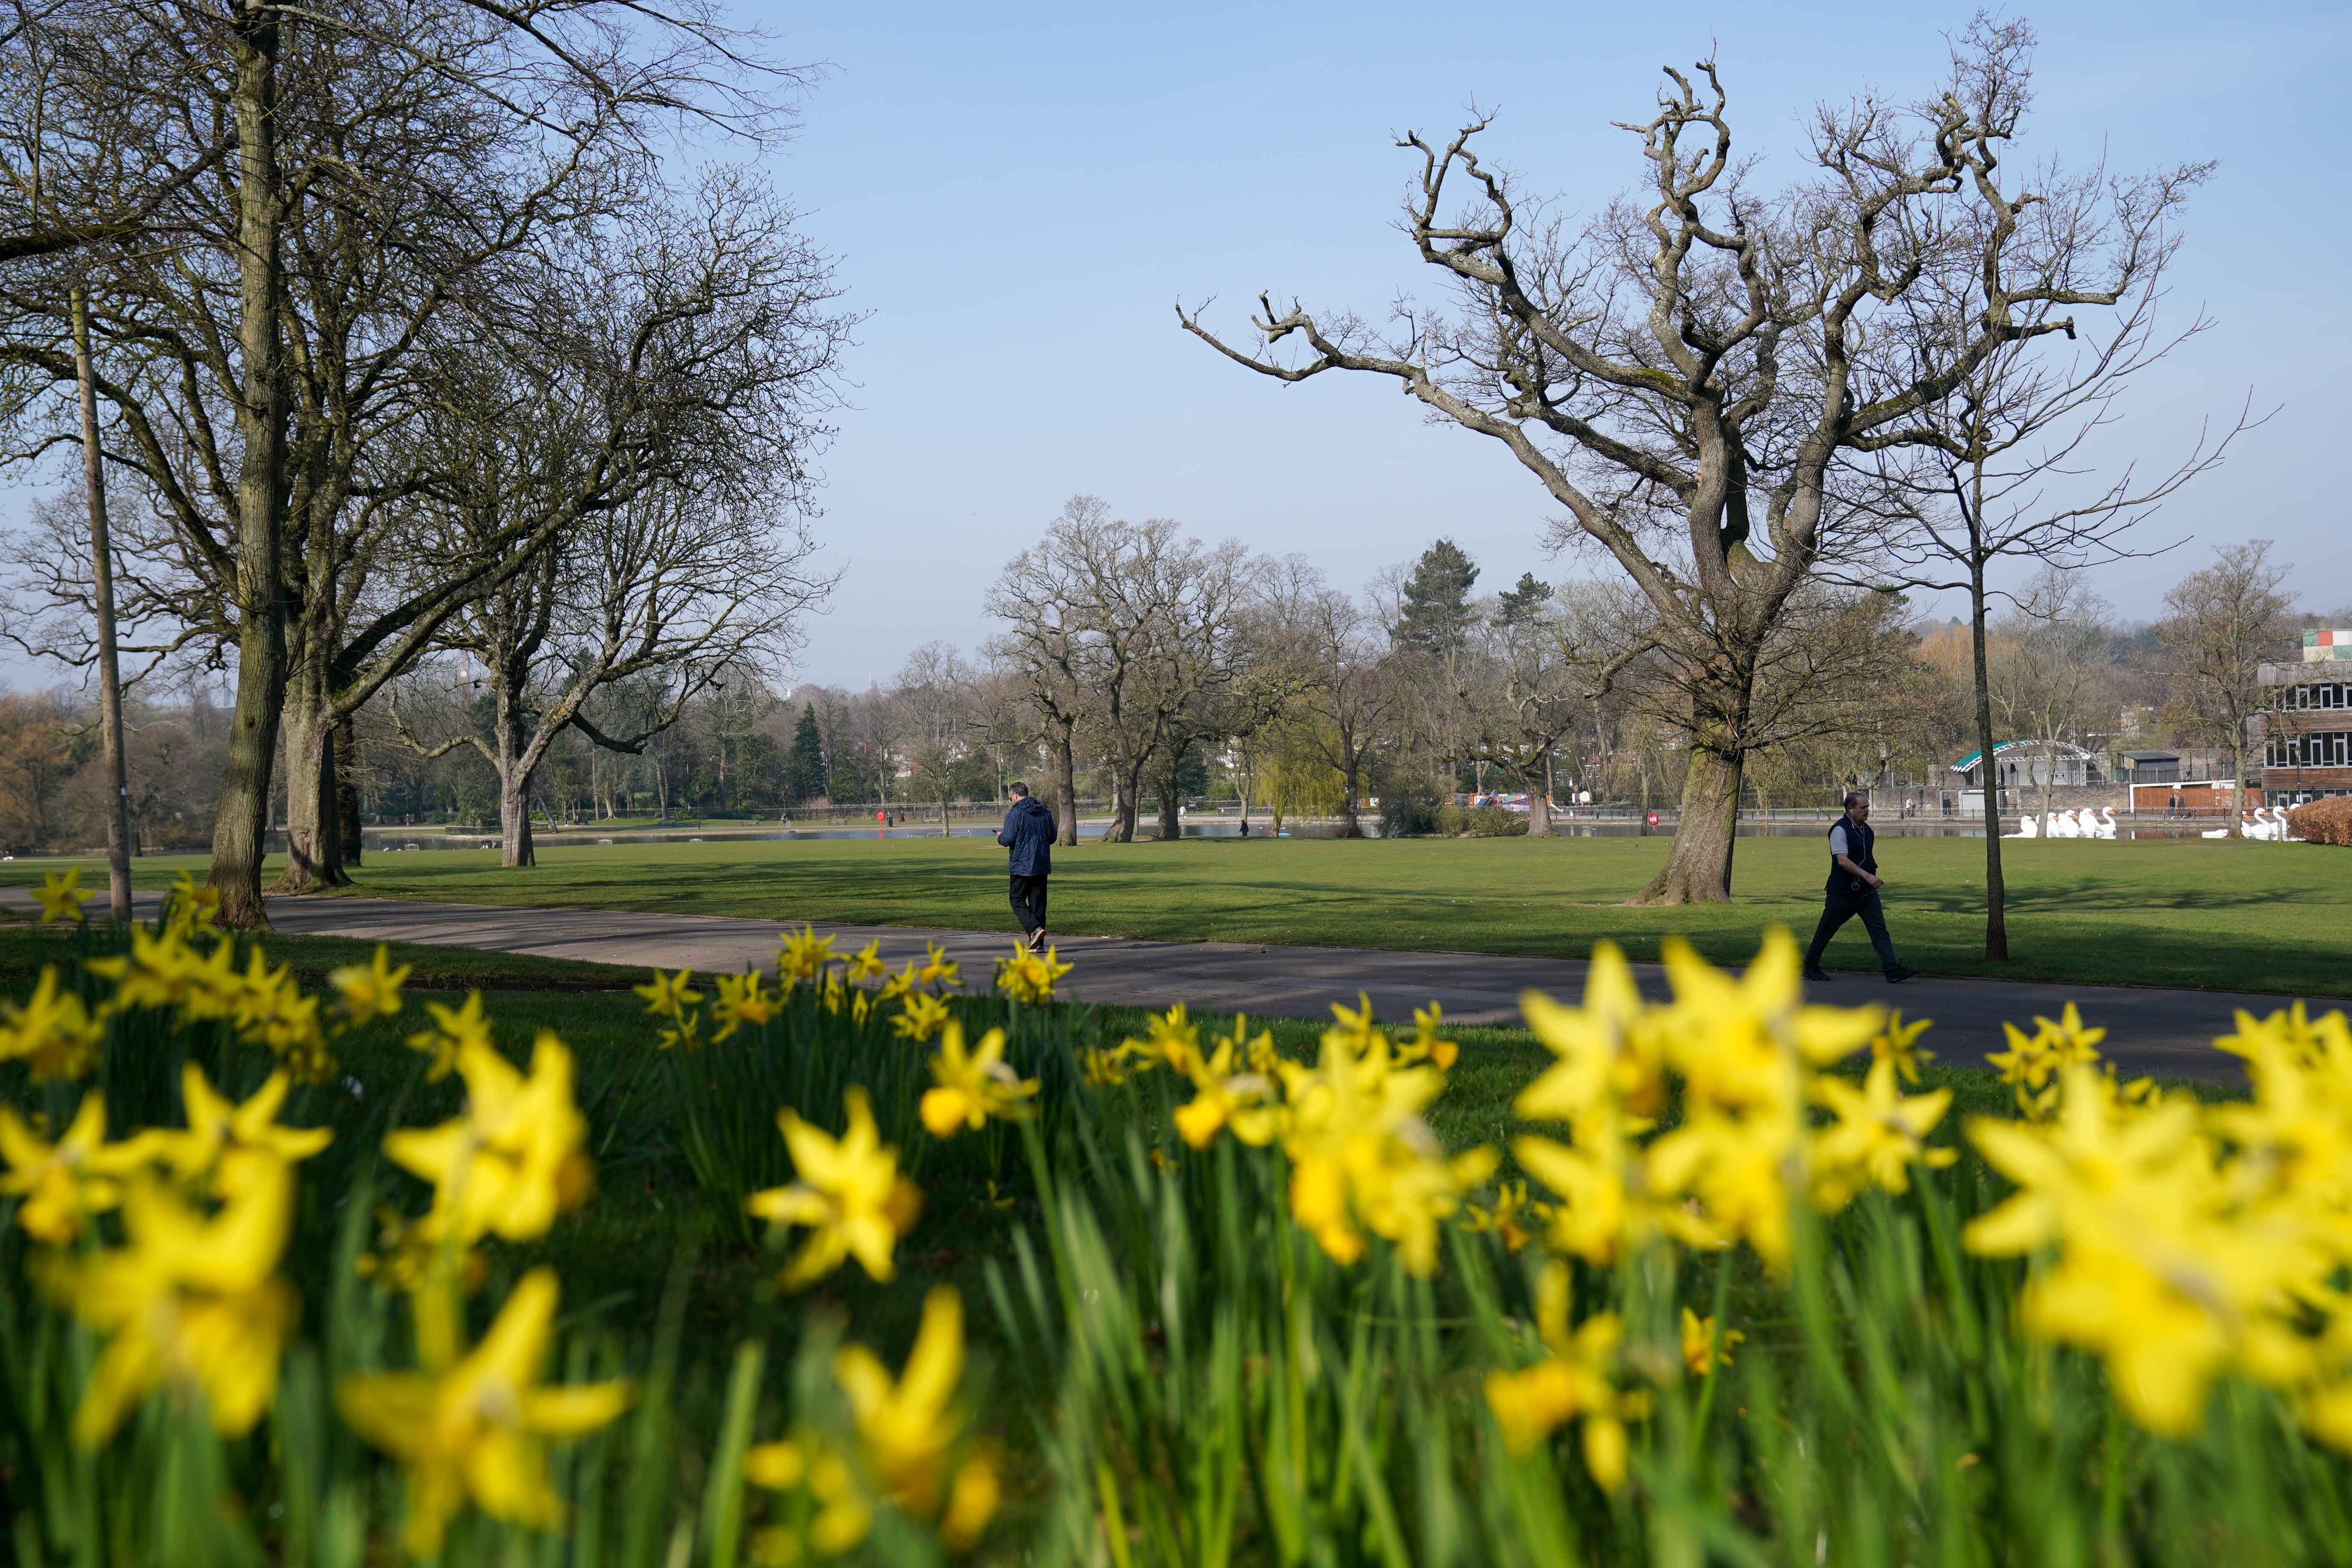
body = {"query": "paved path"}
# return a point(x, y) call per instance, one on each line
point(2150, 1030)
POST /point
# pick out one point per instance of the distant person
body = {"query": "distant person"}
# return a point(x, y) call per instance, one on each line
point(1028, 833)
point(1853, 891)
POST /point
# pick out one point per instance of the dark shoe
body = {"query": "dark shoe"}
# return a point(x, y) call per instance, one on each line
point(1037, 939)
point(1818, 976)
point(1900, 974)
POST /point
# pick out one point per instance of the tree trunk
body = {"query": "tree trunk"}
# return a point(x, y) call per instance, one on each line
point(241, 825)
point(109, 668)
point(943, 814)
point(313, 823)
point(1996, 891)
point(2238, 782)
point(1066, 790)
point(1540, 804)
point(1698, 868)
point(347, 795)
point(1171, 807)
point(514, 780)
point(1350, 828)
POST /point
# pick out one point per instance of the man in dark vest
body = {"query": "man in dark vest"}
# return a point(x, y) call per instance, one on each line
point(1853, 891)
point(1028, 832)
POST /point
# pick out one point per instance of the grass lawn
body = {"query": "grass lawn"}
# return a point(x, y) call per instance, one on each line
point(2229, 915)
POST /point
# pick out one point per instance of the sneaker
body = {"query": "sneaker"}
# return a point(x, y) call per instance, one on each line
point(1900, 974)
point(1818, 976)
point(1037, 939)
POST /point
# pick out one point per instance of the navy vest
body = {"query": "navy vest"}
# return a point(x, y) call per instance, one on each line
point(1859, 840)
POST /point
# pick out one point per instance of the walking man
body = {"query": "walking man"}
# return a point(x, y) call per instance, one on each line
point(1853, 891)
point(1028, 833)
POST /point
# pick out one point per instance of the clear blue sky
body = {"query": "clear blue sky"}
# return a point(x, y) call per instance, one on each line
point(1017, 195)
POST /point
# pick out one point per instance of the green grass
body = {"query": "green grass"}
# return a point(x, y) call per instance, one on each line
point(24, 948)
point(2189, 912)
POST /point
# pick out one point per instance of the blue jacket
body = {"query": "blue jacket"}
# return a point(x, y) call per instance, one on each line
point(1028, 832)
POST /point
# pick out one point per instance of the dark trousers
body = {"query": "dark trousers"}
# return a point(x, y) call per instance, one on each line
point(1841, 907)
point(1029, 903)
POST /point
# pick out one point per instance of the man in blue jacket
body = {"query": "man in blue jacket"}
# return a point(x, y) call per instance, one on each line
point(1028, 832)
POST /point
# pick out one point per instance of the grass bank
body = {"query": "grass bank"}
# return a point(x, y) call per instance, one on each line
point(2221, 915)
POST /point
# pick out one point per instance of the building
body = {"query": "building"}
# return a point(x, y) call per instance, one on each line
point(2305, 727)
point(2021, 765)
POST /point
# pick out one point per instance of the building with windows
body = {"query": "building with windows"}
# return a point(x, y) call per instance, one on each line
point(2306, 725)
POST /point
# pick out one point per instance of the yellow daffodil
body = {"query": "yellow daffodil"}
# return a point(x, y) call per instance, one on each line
point(2159, 1270)
point(1171, 1039)
point(479, 1430)
point(515, 1160)
point(937, 969)
point(224, 1135)
point(973, 1086)
point(841, 1517)
point(1610, 1048)
point(669, 996)
point(1029, 977)
point(2301, 1040)
point(1361, 1158)
point(52, 1033)
point(189, 1300)
point(454, 1031)
point(919, 1016)
point(1899, 1043)
point(866, 963)
point(189, 907)
point(1601, 1210)
point(370, 991)
point(1425, 1046)
point(1703, 1350)
point(2034, 1063)
point(1222, 1098)
point(742, 1000)
point(64, 1184)
point(1512, 1219)
point(849, 1197)
point(1877, 1137)
point(162, 970)
point(61, 896)
point(803, 957)
point(1576, 1382)
point(907, 1425)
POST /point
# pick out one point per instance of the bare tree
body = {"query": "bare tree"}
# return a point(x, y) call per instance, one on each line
point(1537, 699)
point(1971, 476)
point(1128, 630)
point(1683, 375)
point(1044, 597)
point(934, 692)
point(1356, 695)
point(2054, 680)
point(677, 587)
point(252, 78)
point(2221, 624)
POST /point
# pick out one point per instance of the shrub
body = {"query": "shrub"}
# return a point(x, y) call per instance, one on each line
point(1480, 822)
point(2326, 821)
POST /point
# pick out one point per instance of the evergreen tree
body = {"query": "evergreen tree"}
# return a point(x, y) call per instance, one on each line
point(1520, 604)
point(805, 774)
point(1436, 616)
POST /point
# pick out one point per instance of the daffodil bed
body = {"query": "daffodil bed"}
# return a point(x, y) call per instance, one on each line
point(1737, 1290)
